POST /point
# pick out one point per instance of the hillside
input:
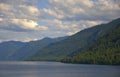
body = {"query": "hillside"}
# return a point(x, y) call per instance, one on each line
point(32, 47)
point(15, 50)
point(8, 48)
point(106, 50)
point(80, 40)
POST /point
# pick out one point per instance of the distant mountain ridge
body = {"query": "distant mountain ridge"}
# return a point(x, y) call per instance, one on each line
point(15, 50)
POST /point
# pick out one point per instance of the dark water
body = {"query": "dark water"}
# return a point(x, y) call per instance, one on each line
point(56, 69)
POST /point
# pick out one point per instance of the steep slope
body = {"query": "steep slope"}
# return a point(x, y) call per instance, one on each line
point(80, 40)
point(31, 47)
point(8, 48)
point(105, 51)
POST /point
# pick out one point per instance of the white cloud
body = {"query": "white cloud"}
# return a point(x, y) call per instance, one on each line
point(23, 20)
point(28, 24)
point(52, 13)
point(29, 10)
point(85, 9)
point(33, 10)
point(20, 16)
point(22, 9)
point(21, 25)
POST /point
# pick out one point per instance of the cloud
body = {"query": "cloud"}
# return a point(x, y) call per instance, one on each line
point(85, 10)
point(27, 20)
point(33, 10)
point(18, 9)
point(28, 24)
point(29, 39)
point(4, 7)
point(29, 12)
point(69, 27)
point(21, 25)
point(52, 13)
point(72, 16)
point(20, 15)
point(1, 19)
point(7, 35)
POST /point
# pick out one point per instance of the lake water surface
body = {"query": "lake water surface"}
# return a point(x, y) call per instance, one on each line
point(56, 69)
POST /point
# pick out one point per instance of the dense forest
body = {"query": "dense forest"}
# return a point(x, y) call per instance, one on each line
point(106, 50)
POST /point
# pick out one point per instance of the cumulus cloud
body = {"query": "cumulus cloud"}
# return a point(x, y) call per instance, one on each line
point(18, 9)
point(25, 20)
point(28, 24)
point(19, 15)
point(29, 12)
point(75, 15)
point(86, 10)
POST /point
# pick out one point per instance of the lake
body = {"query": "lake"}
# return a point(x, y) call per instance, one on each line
point(56, 69)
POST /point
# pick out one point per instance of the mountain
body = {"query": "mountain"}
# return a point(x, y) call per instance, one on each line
point(14, 50)
point(8, 48)
point(79, 41)
point(106, 50)
point(56, 49)
point(32, 47)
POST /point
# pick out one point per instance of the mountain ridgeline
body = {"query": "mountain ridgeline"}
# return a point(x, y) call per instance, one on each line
point(15, 50)
point(99, 44)
point(32, 47)
point(72, 44)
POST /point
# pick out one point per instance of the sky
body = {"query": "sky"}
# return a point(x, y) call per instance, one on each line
point(29, 20)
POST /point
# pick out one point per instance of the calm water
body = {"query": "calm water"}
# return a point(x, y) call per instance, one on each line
point(56, 69)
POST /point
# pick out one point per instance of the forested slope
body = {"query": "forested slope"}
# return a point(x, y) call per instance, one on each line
point(106, 50)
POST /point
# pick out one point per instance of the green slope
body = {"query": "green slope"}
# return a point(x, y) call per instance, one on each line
point(105, 51)
point(80, 40)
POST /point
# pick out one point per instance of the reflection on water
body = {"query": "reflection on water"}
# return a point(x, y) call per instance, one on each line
point(56, 69)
